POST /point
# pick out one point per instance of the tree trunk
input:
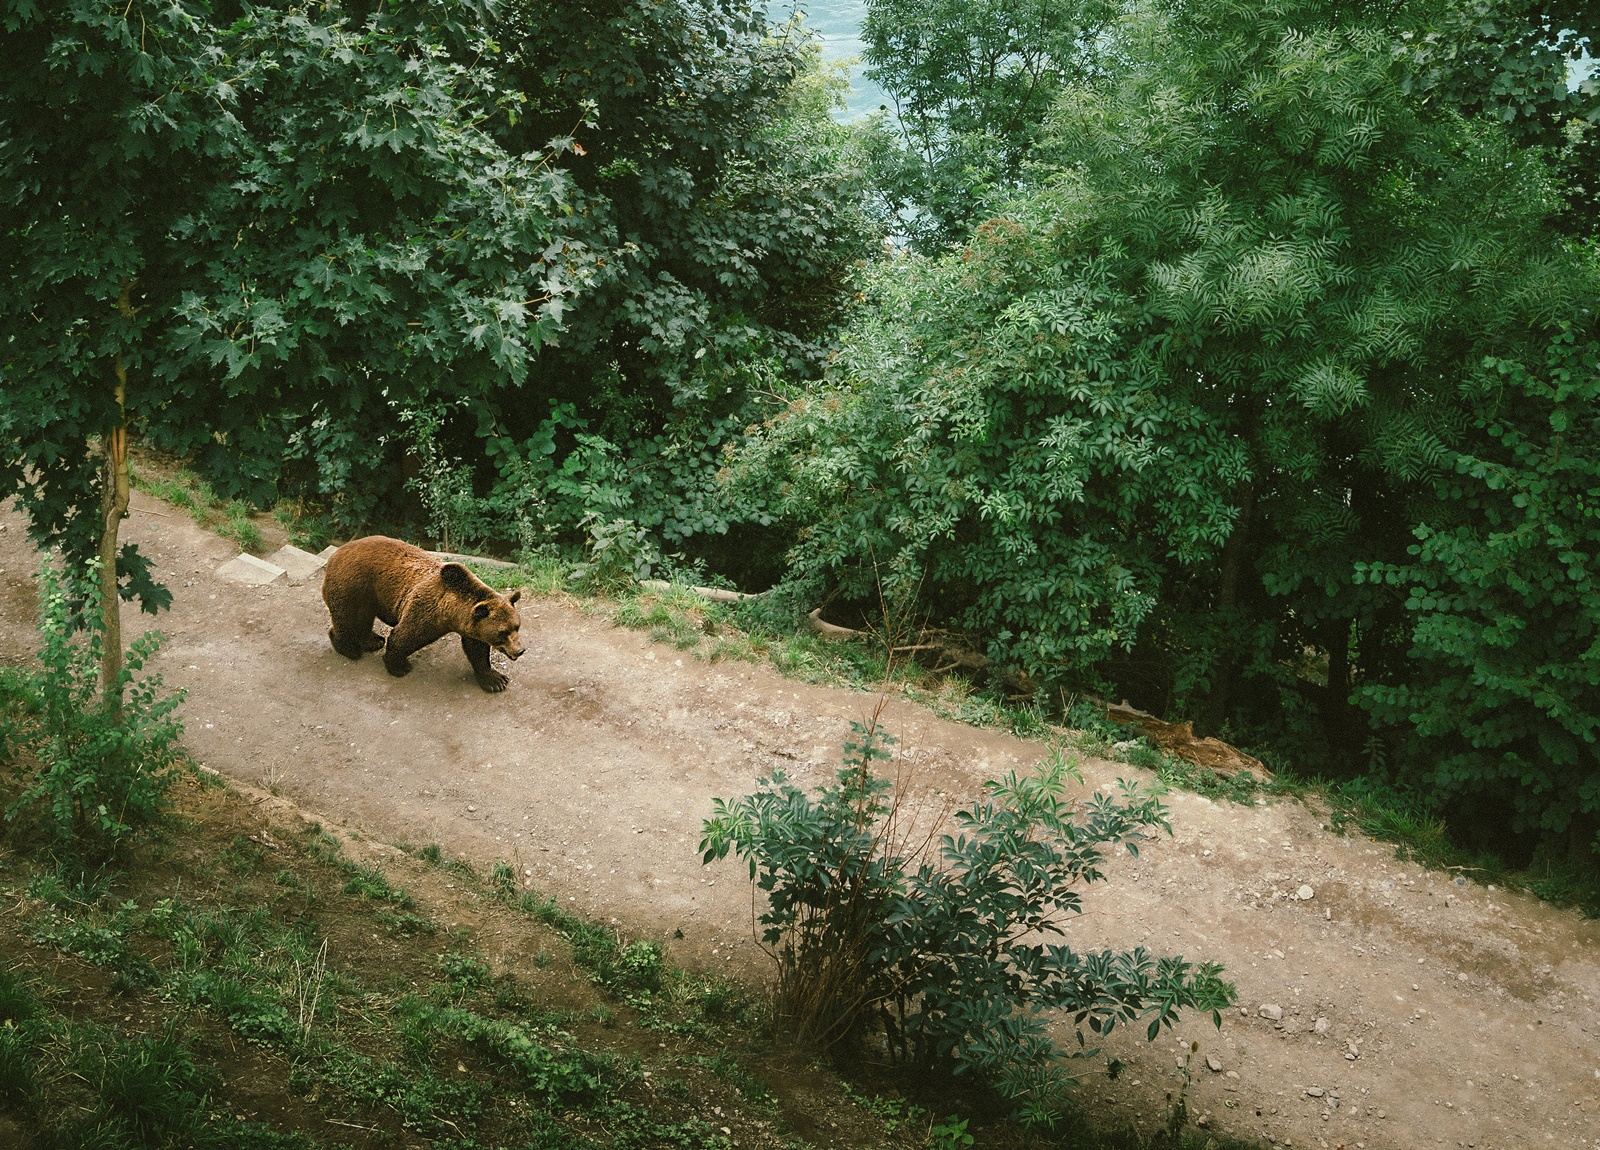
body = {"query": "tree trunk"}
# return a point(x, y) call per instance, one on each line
point(1233, 560)
point(113, 507)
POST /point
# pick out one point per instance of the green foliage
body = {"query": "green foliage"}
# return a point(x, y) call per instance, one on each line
point(587, 233)
point(949, 953)
point(311, 220)
point(951, 1134)
point(182, 488)
point(1513, 62)
point(370, 882)
point(151, 1084)
point(633, 971)
point(560, 1075)
point(1224, 345)
point(1502, 598)
point(620, 553)
point(90, 779)
point(973, 84)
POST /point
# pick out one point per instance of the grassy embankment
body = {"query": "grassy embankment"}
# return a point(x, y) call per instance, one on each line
point(246, 979)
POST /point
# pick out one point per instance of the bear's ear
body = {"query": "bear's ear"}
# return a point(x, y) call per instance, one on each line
point(514, 596)
point(480, 612)
point(456, 578)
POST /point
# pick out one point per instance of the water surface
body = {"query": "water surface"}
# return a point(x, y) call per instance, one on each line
point(838, 24)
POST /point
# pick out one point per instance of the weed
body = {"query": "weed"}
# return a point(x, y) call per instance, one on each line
point(424, 1102)
point(504, 879)
point(894, 1113)
point(633, 971)
point(182, 488)
point(405, 922)
point(463, 972)
point(95, 773)
point(560, 1073)
point(18, 1003)
point(950, 1134)
point(242, 856)
point(725, 1065)
point(19, 1073)
point(151, 1084)
point(308, 990)
point(371, 883)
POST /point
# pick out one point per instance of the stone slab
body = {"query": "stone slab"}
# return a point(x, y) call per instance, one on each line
point(297, 564)
point(327, 552)
point(252, 572)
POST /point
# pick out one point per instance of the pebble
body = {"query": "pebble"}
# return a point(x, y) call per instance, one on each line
point(1315, 1092)
point(1215, 1063)
point(1271, 1010)
point(1305, 894)
point(1320, 1026)
point(1460, 881)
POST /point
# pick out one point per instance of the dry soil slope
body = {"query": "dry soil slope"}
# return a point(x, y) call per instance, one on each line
point(1425, 1012)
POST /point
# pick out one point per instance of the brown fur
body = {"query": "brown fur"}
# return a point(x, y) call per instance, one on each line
point(422, 598)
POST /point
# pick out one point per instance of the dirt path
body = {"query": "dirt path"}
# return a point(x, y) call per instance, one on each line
point(1415, 1011)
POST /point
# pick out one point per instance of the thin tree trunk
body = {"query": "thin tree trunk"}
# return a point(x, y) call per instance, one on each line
point(1234, 552)
point(113, 507)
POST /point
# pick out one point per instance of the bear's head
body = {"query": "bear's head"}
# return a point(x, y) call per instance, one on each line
point(495, 619)
point(497, 622)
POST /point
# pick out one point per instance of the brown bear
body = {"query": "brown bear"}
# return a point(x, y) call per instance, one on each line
point(422, 598)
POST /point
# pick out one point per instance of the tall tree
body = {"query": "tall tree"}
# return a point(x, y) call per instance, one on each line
point(1138, 432)
point(224, 226)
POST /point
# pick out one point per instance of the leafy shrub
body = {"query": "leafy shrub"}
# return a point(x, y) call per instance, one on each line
point(1502, 601)
point(620, 552)
point(90, 777)
point(458, 517)
point(944, 953)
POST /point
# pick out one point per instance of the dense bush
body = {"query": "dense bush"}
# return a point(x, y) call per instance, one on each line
point(88, 777)
point(943, 952)
point(1502, 602)
point(1138, 432)
point(262, 235)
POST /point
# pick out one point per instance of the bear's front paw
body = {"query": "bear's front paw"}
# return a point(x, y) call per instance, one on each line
point(492, 681)
point(396, 664)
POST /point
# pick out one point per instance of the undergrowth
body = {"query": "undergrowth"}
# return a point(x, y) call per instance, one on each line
point(753, 632)
point(230, 518)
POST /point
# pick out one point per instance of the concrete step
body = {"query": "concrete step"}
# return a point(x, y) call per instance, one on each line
point(252, 572)
point(301, 566)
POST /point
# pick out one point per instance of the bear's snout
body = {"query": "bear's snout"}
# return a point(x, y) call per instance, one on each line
point(512, 650)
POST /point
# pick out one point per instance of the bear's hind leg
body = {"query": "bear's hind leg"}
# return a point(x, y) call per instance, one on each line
point(354, 648)
point(351, 611)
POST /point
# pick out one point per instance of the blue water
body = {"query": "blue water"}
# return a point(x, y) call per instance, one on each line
point(838, 24)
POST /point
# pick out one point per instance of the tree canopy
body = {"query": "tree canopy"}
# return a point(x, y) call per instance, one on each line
point(1188, 417)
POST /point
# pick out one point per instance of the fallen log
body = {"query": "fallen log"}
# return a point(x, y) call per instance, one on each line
point(831, 630)
point(1179, 740)
point(715, 594)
